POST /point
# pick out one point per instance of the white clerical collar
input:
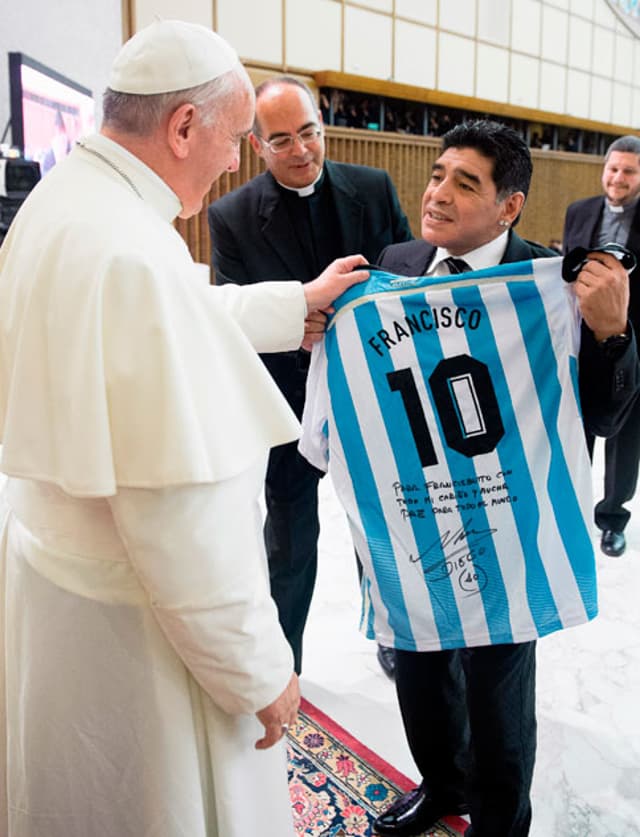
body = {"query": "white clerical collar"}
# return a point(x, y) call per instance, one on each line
point(306, 190)
point(488, 255)
point(626, 207)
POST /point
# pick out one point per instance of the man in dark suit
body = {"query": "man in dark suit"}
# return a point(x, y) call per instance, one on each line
point(289, 223)
point(592, 222)
point(469, 713)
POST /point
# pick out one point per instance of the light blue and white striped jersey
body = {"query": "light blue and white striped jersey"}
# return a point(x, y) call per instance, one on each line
point(449, 409)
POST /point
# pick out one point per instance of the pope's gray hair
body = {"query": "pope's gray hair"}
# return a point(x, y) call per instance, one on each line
point(141, 115)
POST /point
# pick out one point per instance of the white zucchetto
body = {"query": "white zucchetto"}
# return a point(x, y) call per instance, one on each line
point(170, 55)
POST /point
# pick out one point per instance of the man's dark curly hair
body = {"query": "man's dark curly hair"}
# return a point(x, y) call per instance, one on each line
point(509, 152)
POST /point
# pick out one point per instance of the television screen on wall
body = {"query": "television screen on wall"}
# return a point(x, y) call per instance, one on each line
point(48, 111)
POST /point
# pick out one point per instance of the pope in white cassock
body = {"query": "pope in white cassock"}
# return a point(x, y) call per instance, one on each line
point(147, 683)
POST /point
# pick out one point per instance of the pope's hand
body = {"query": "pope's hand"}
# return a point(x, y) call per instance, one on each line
point(279, 715)
point(334, 280)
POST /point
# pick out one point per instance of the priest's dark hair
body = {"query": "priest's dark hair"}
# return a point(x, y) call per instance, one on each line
point(629, 144)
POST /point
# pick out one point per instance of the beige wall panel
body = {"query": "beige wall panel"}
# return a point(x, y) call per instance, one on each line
point(494, 21)
point(415, 54)
point(379, 41)
point(456, 62)
point(523, 87)
point(578, 93)
point(635, 114)
point(580, 43)
point(492, 73)
point(582, 7)
point(623, 58)
point(555, 24)
point(459, 17)
point(254, 28)
point(526, 18)
point(377, 5)
point(453, 47)
point(603, 41)
point(425, 11)
point(601, 98)
point(193, 11)
point(367, 43)
point(553, 82)
point(622, 106)
point(602, 14)
point(314, 34)
point(620, 27)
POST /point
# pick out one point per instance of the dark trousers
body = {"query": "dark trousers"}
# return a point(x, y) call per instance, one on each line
point(469, 716)
point(291, 534)
point(621, 459)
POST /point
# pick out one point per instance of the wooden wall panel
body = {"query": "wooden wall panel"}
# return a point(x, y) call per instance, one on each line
point(558, 179)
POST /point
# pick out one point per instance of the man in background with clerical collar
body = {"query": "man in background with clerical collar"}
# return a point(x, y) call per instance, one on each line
point(594, 222)
point(301, 213)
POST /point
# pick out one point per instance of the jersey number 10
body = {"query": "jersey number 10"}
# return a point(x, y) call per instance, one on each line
point(465, 402)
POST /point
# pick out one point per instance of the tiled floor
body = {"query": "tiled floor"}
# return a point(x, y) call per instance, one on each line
point(587, 781)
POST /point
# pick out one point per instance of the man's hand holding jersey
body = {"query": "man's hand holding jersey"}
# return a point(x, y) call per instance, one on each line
point(602, 289)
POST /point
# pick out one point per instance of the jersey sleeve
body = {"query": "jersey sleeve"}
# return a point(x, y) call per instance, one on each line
point(314, 442)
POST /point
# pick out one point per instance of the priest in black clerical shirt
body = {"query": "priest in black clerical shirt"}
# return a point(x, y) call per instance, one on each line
point(594, 222)
point(289, 223)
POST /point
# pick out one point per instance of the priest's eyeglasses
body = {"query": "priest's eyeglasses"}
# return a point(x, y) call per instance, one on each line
point(285, 143)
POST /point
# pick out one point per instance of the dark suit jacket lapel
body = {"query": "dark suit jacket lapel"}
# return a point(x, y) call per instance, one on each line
point(412, 260)
point(349, 208)
point(276, 228)
point(592, 218)
point(517, 250)
point(633, 242)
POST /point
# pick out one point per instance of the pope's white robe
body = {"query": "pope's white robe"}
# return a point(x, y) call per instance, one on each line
point(135, 419)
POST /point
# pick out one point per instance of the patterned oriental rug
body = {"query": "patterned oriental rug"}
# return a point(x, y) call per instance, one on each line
point(338, 786)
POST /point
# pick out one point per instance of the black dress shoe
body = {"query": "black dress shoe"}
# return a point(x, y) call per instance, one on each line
point(613, 543)
point(387, 659)
point(413, 813)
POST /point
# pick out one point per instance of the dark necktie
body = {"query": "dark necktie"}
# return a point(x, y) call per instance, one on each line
point(457, 265)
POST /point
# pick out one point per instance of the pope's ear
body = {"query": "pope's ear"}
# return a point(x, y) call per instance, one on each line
point(254, 139)
point(180, 128)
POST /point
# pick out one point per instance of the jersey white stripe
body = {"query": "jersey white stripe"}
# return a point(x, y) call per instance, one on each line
point(457, 450)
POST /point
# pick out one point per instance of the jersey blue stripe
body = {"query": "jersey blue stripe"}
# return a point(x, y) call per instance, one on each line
point(513, 461)
point(570, 521)
point(367, 610)
point(485, 566)
point(382, 282)
point(366, 494)
point(409, 469)
point(510, 453)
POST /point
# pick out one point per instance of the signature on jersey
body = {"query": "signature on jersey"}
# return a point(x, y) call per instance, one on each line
point(457, 553)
